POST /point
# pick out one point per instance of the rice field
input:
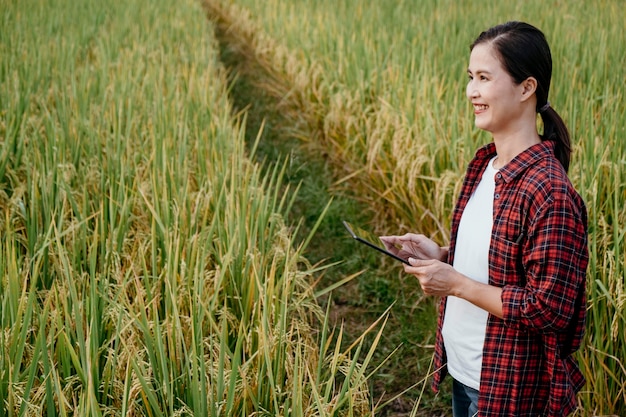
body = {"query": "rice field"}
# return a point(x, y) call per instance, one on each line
point(146, 264)
point(381, 85)
point(146, 267)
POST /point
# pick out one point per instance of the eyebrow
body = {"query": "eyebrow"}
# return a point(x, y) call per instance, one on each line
point(480, 71)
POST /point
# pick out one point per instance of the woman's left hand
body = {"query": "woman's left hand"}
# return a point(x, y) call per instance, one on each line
point(435, 277)
point(439, 278)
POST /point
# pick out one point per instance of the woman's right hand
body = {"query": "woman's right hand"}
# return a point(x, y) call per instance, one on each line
point(416, 246)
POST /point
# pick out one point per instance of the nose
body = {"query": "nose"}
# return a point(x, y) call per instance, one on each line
point(470, 90)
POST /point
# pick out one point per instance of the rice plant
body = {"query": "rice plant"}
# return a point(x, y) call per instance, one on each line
point(382, 84)
point(146, 267)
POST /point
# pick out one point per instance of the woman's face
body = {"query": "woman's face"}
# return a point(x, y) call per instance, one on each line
point(496, 98)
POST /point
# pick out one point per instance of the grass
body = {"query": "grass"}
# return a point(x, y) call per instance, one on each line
point(146, 263)
point(387, 108)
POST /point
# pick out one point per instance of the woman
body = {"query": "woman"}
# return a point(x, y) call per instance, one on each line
point(512, 280)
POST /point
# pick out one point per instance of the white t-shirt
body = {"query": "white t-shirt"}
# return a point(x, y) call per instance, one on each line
point(465, 324)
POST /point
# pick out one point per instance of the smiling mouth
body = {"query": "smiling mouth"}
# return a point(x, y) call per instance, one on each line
point(480, 107)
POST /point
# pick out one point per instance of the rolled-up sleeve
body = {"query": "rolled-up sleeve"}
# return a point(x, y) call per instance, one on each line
point(554, 259)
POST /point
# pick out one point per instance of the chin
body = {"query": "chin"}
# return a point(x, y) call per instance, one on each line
point(482, 125)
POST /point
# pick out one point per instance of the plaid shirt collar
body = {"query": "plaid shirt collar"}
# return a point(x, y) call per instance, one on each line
point(517, 165)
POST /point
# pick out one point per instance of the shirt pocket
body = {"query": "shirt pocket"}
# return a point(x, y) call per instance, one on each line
point(505, 261)
point(508, 222)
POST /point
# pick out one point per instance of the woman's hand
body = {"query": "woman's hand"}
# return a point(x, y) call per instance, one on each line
point(413, 245)
point(435, 277)
point(440, 278)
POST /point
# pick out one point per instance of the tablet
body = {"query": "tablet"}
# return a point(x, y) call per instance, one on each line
point(367, 239)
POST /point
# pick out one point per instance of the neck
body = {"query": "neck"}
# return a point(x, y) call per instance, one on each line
point(507, 151)
point(511, 144)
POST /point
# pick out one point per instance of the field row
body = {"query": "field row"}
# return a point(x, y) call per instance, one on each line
point(146, 267)
point(380, 87)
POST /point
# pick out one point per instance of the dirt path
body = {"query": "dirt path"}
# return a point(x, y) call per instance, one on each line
point(362, 301)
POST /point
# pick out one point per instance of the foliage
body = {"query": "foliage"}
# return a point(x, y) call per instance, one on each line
point(146, 267)
point(381, 85)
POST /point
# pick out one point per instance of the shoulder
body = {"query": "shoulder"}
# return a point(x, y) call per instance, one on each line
point(540, 173)
point(542, 183)
point(550, 191)
point(547, 178)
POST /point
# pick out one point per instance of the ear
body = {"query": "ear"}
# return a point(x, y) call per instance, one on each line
point(529, 86)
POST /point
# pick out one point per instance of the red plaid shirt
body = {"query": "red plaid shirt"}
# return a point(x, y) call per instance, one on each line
point(538, 255)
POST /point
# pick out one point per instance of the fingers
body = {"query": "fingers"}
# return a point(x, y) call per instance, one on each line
point(392, 240)
point(411, 237)
point(414, 245)
point(429, 274)
point(418, 271)
point(389, 242)
point(405, 238)
point(416, 266)
point(419, 263)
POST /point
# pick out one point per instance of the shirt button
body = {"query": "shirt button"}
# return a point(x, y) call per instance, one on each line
point(497, 196)
point(498, 175)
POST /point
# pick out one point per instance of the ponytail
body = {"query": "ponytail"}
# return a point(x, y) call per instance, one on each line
point(554, 128)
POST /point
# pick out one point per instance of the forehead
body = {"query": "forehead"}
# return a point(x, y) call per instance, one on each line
point(484, 58)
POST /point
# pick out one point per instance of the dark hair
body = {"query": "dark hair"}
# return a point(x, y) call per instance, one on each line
point(524, 52)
